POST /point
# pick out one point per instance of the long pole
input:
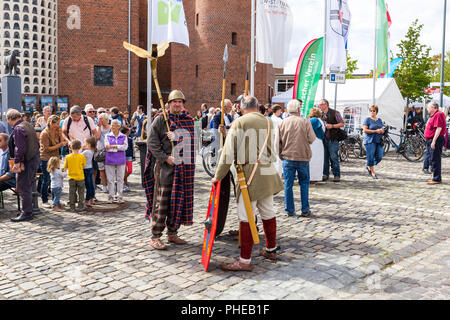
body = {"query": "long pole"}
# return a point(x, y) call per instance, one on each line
point(149, 66)
point(324, 77)
point(252, 59)
point(129, 58)
point(375, 54)
point(443, 56)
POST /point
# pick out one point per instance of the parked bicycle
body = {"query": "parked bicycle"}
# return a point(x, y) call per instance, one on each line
point(410, 146)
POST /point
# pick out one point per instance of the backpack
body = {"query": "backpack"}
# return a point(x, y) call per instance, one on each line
point(86, 121)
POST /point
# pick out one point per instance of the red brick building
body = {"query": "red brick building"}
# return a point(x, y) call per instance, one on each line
point(92, 64)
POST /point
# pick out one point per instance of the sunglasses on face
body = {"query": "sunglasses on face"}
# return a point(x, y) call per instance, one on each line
point(373, 110)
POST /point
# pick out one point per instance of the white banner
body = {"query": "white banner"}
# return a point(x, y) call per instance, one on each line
point(273, 31)
point(169, 22)
point(338, 24)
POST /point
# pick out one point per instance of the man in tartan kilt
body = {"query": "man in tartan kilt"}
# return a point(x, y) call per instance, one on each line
point(169, 178)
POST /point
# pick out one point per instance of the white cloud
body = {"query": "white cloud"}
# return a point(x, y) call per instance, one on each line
point(309, 24)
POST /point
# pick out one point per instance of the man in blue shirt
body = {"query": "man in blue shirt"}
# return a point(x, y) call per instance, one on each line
point(7, 178)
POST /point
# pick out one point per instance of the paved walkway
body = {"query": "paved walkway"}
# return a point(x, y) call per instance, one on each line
point(367, 239)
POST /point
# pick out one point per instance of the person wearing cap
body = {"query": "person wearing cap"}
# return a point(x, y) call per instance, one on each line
point(169, 174)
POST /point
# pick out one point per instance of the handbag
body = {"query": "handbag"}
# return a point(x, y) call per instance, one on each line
point(341, 135)
point(100, 156)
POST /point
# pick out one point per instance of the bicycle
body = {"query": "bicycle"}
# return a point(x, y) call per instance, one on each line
point(358, 144)
point(410, 146)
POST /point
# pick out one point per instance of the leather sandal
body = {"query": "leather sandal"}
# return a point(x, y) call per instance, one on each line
point(236, 266)
point(268, 255)
point(157, 244)
point(175, 239)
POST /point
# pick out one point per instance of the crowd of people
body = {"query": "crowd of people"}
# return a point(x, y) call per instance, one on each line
point(91, 149)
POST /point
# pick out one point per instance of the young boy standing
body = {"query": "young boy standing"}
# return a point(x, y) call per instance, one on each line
point(74, 164)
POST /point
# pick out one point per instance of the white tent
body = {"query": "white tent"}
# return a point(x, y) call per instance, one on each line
point(436, 97)
point(356, 94)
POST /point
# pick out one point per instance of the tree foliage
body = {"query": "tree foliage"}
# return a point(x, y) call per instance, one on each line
point(414, 75)
point(352, 66)
point(436, 70)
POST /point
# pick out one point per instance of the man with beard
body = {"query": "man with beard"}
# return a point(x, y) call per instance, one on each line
point(169, 177)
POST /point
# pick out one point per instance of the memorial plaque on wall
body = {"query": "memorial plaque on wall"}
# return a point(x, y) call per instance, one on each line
point(103, 76)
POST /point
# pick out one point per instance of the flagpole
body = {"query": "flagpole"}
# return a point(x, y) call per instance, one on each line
point(252, 62)
point(443, 57)
point(324, 76)
point(149, 67)
point(375, 54)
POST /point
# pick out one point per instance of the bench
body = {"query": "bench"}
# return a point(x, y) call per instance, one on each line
point(2, 203)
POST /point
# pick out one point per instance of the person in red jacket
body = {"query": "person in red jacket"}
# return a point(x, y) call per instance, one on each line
point(434, 134)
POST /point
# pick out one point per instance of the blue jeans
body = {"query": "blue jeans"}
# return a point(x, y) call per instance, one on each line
point(45, 181)
point(56, 196)
point(289, 170)
point(375, 152)
point(434, 157)
point(331, 153)
point(89, 182)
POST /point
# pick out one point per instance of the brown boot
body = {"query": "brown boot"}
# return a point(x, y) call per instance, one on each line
point(157, 244)
point(237, 265)
point(175, 239)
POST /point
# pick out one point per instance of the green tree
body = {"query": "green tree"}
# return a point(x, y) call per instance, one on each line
point(436, 70)
point(414, 75)
point(352, 66)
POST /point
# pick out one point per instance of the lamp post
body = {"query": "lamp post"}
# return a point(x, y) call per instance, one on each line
point(443, 57)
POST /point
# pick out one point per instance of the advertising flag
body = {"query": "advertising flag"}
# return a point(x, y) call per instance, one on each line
point(307, 75)
point(273, 32)
point(169, 22)
point(382, 37)
point(338, 25)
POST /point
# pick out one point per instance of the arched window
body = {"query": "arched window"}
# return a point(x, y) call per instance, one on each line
point(27, 89)
point(6, 7)
point(6, 25)
point(36, 90)
point(7, 35)
point(7, 44)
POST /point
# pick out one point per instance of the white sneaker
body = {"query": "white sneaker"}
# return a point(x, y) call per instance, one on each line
point(126, 188)
point(105, 189)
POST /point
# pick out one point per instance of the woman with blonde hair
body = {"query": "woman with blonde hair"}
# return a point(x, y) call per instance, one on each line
point(316, 163)
point(51, 140)
point(103, 129)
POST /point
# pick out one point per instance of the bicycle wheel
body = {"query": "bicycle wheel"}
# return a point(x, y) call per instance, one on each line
point(387, 144)
point(413, 149)
point(359, 150)
point(209, 164)
point(343, 152)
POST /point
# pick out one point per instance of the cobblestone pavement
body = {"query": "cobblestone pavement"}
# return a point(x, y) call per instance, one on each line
point(366, 239)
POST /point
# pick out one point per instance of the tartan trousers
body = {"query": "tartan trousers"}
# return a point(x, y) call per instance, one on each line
point(160, 212)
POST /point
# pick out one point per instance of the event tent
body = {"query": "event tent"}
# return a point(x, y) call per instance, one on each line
point(436, 97)
point(356, 96)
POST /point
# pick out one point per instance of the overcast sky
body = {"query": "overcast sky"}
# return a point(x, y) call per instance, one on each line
point(309, 24)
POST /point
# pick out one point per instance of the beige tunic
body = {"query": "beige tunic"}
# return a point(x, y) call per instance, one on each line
point(242, 145)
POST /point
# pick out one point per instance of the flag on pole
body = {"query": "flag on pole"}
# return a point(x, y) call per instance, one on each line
point(383, 23)
point(307, 75)
point(338, 25)
point(274, 24)
point(169, 22)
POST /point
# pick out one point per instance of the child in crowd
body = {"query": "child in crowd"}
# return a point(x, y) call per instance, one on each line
point(129, 154)
point(74, 164)
point(57, 181)
point(90, 147)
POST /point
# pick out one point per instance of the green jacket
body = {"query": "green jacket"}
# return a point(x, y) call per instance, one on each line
point(242, 145)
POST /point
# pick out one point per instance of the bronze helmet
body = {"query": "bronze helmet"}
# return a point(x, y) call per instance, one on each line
point(176, 94)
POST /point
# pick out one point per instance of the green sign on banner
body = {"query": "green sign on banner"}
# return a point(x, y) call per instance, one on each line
point(307, 75)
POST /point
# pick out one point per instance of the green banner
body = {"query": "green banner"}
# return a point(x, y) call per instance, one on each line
point(307, 75)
